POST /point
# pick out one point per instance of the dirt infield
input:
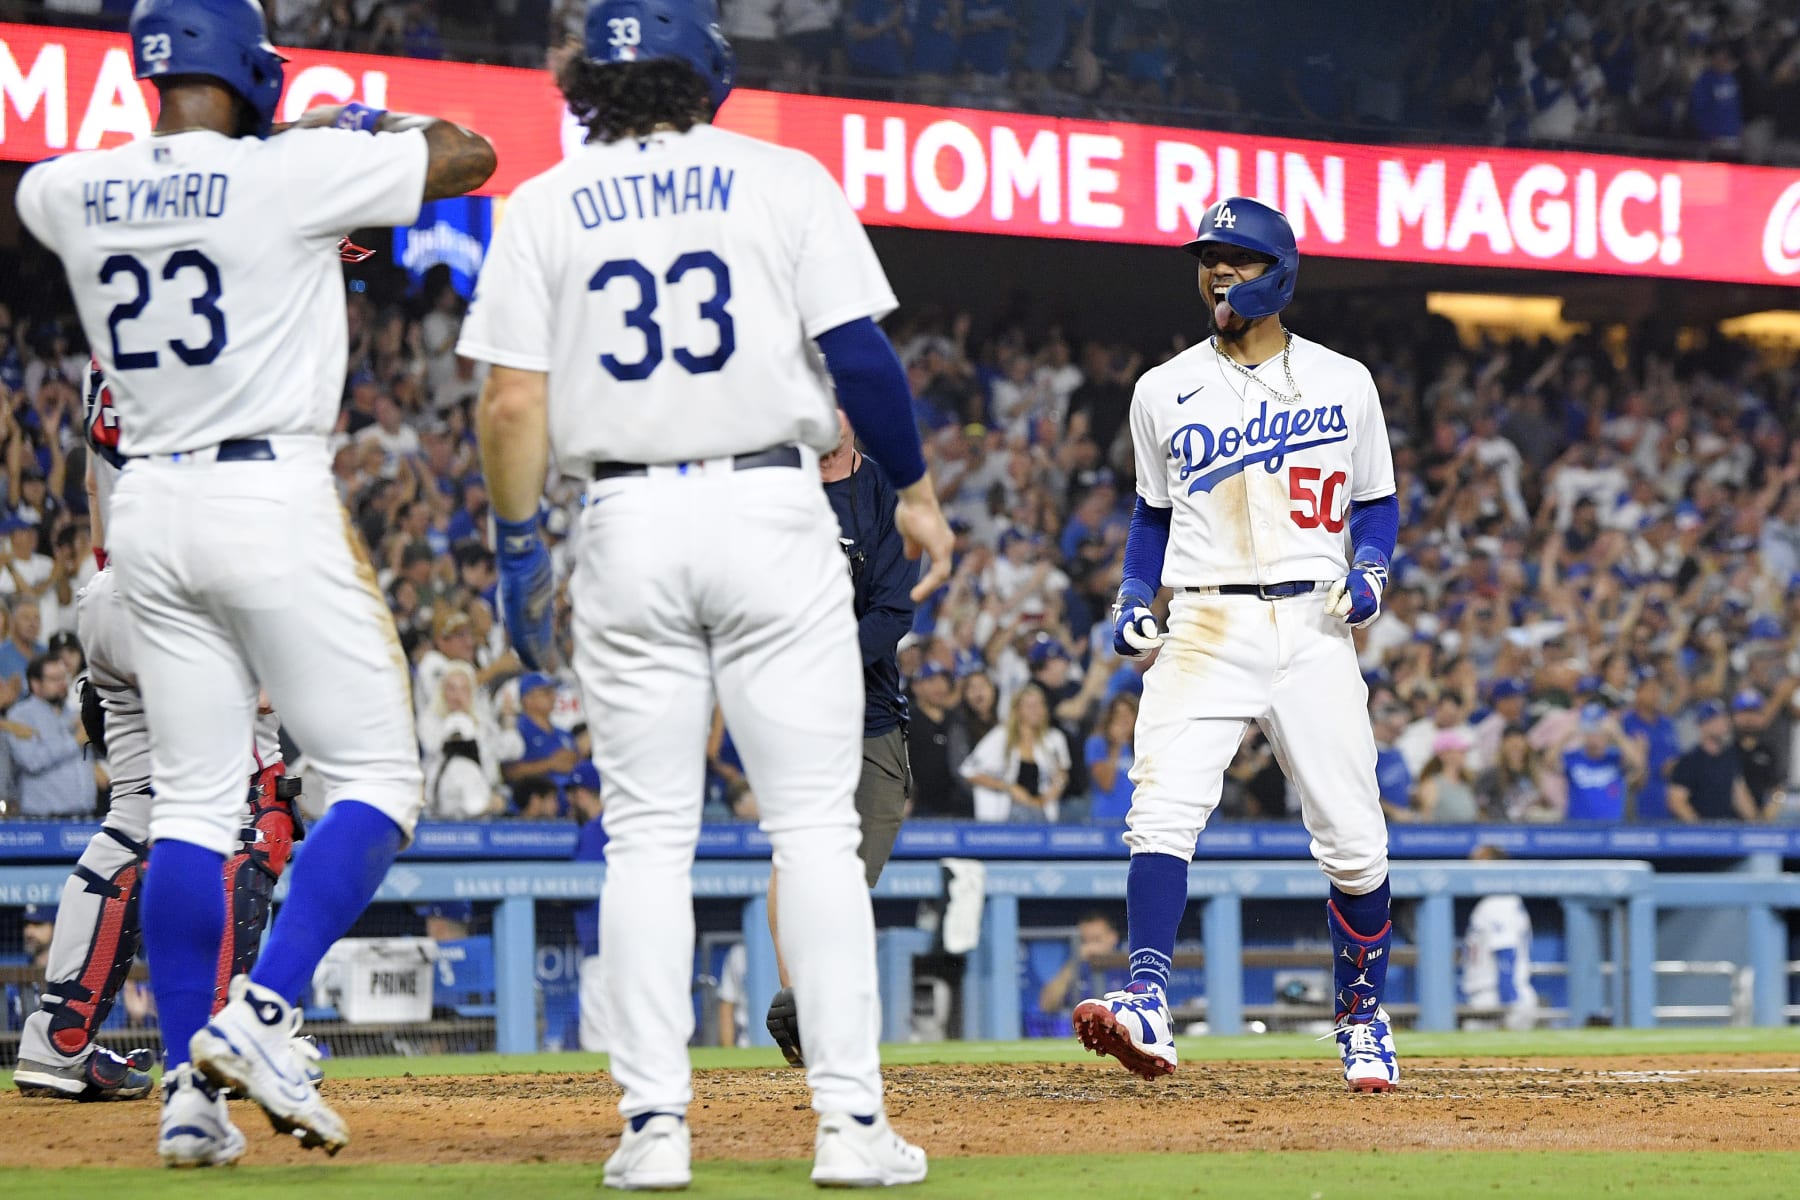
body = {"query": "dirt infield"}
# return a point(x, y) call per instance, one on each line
point(1735, 1102)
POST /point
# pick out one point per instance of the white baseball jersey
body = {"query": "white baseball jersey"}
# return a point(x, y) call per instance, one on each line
point(1261, 487)
point(1497, 953)
point(664, 284)
point(203, 273)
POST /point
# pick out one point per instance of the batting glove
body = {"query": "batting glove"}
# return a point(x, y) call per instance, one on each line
point(527, 592)
point(1134, 626)
point(1356, 598)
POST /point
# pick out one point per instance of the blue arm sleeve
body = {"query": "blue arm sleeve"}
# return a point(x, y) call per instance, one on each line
point(1374, 524)
point(872, 388)
point(1145, 546)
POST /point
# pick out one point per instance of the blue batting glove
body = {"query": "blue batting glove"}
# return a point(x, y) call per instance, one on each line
point(527, 592)
point(1356, 598)
point(1134, 626)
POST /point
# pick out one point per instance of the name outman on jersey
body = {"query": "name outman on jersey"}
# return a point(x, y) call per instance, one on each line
point(1261, 459)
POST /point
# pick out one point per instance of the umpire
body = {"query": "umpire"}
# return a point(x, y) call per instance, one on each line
point(883, 580)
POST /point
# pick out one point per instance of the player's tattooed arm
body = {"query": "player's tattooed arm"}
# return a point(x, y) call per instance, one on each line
point(458, 160)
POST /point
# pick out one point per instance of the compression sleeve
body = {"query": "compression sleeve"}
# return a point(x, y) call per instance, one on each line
point(872, 388)
point(1374, 524)
point(1146, 544)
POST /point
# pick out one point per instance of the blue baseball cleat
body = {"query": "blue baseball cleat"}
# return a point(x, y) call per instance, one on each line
point(1367, 1048)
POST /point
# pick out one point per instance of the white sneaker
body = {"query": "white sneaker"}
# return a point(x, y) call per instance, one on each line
point(850, 1153)
point(1367, 1050)
point(1132, 1026)
point(196, 1128)
point(249, 1048)
point(655, 1158)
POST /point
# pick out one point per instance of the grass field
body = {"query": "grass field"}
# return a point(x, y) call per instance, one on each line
point(1543, 1174)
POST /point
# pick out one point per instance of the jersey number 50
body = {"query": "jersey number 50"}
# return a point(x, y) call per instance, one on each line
point(643, 317)
point(1319, 501)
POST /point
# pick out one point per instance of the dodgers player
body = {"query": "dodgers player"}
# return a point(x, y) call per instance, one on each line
point(650, 306)
point(97, 930)
point(198, 262)
point(1255, 450)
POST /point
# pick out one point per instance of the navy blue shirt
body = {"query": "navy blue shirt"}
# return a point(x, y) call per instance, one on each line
point(590, 846)
point(1663, 747)
point(884, 579)
point(542, 743)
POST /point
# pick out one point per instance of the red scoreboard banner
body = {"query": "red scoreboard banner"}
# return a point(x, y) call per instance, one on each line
point(1003, 173)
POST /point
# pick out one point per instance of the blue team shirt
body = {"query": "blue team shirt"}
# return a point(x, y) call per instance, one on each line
point(590, 846)
point(1664, 748)
point(1596, 785)
point(1393, 777)
point(986, 52)
point(1110, 804)
point(933, 44)
point(881, 55)
point(542, 743)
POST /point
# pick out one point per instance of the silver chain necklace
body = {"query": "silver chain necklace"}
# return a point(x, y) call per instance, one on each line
point(1287, 368)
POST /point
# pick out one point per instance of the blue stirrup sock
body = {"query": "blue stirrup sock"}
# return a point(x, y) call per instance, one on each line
point(1155, 899)
point(334, 876)
point(182, 910)
point(1361, 936)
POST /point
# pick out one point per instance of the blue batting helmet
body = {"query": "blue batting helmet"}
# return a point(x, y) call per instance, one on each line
point(1252, 225)
point(225, 40)
point(623, 31)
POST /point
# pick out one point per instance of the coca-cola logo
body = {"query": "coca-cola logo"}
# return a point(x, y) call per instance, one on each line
point(1781, 236)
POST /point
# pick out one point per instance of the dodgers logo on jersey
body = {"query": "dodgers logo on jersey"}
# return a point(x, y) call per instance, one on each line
point(1262, 439)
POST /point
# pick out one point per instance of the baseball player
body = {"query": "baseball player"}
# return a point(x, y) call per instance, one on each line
point(197, 261)
point(1261, 458)
point(97, 934)
point(651, 307)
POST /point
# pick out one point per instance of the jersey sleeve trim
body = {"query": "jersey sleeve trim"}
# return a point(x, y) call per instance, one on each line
point(504, 358)
point(873, 307)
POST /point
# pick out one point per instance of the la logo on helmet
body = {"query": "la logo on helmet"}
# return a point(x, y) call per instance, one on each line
point(1226, 218)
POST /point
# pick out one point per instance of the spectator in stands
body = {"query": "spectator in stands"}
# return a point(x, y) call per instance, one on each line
point(1020, 768)
point(933, 31)
point(536, 799)
point(875, 38)
point(1072, 706)
point(987, 40)
point(1715, 106)
point(810, 32)
point(1392, 776)
point(19, 649)
point(1648, 723)
point(1762, 773)
point(1508, 790)
point(979, 711)
point(1599, 763)
point(1446, 715)
point(936, 745)
point(1108, 755)
point(1707, 782)
point(462, 750)
point(1445, 793)
point(1506, 700)
point(52, 774)
point(1096, 936)
point(546, 752)
point(23, 570)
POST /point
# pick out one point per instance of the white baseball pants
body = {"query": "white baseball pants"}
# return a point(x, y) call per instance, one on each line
point(1285, 664)
point(725, 583)
point(240, 573)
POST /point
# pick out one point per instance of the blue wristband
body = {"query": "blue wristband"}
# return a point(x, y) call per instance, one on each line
point(516, 537)
point(359, 118)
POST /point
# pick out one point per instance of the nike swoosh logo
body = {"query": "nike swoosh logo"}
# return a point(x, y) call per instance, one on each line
point(1190, 395)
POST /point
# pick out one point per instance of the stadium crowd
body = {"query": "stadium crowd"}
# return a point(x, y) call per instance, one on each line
point(1719, 77)
point(1593, 611)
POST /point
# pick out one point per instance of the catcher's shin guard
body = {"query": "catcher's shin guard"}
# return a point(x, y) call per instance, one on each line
point(251, 874)
point(93, 946)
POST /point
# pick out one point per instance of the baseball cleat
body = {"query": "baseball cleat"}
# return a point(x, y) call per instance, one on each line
point(784, 1026)
point(1132, 1026)
point(249, 1048)
point(196, 1128)
point(654, 1158)
point(864, 1152)
point(97, 1075)
point(1367, 1048)
point(310, 1058)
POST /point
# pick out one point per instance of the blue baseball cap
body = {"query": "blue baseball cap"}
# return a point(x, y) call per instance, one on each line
point(39, 914)
point(1766, 629)
point(532, 681)
point(1747, 699)
point(451, 910)
point(1505, 689)
point(1706, 710)
point(931, 670)
point(585, 775)
point(1593, 716)
point(1044, 648)
point(1586, 684)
